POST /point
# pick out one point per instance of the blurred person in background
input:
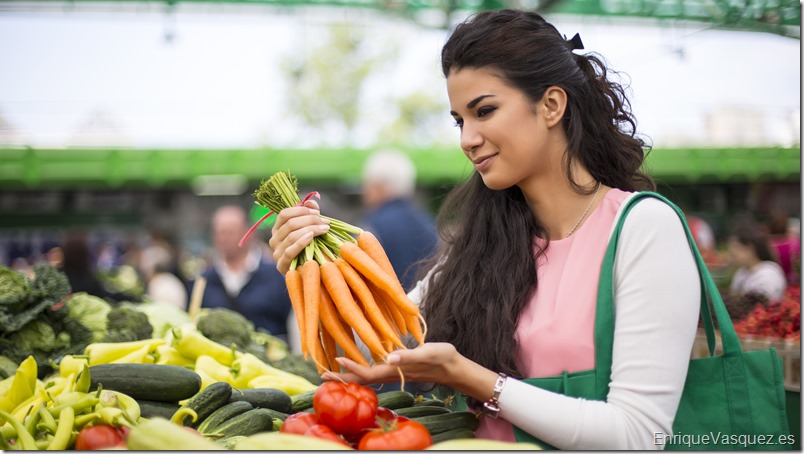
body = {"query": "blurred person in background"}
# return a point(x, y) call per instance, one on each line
point(406, 232)
point(786, 245)
point(757, 272)
point(161, 284)
point(78, 264)
point(243, 279)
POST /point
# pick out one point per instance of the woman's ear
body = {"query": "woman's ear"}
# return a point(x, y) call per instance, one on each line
point(553, 104)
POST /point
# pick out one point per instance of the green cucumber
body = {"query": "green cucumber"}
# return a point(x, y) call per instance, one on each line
point(427, 402)
point(418, 411)
point(204, 404)
point(453, 434)
point(395, 399)
point(248, 423)
point(274, 399)
point(302, 401)
point(223, 414)
point(152, 409)
point(155, 382)
point(437, 424)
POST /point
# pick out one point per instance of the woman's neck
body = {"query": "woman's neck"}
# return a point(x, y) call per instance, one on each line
point(557, 205)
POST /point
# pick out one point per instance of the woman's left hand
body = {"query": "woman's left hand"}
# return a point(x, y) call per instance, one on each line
point(429, 362)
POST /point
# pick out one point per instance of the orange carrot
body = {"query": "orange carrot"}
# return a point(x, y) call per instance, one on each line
point(330, 349)
point(371, 309)
point(414, 327)
point(341, 295)
point(393, 311)
point(343, 337)
point(387, 283)
point(293, 281)
point(316, 351)
point(311, 285)
point(371, 246)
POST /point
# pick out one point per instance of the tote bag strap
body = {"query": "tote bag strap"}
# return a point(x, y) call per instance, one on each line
point(604, 318)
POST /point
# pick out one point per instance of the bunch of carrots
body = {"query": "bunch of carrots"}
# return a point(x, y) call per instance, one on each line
point(343, 284)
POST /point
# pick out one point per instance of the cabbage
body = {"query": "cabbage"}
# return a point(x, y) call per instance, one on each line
point(91, 311)
point(162, 316)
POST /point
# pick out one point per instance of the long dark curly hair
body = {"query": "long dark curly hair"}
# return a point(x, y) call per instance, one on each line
point(485, 271)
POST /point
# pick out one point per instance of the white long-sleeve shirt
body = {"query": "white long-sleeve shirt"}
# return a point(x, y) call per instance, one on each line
point(656, 315)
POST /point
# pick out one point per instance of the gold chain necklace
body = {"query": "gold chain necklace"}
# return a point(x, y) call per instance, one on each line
point(585, 212)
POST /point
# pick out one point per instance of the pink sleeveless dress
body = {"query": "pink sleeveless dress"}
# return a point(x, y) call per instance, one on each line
point(555, 331)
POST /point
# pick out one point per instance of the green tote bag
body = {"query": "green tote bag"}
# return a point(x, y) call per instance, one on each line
point(730, 402)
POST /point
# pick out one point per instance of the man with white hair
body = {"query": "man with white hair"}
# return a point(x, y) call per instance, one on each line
point(406, 232)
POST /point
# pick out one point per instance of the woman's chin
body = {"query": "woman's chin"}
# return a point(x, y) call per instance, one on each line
point(496, 183)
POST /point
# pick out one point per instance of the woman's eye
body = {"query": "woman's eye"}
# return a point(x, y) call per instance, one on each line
point(483, 111)
point(458, 123)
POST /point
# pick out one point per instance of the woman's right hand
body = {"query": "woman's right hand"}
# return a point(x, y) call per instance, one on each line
point(294, 229)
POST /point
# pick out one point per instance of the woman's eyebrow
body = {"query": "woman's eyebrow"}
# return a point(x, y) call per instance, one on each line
point(471, 103)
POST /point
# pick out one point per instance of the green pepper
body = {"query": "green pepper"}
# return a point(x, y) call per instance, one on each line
point(83, 381)
point(64, 431)
point(24, 438)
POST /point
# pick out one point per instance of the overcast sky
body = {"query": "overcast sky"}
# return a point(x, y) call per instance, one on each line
point(217, 82)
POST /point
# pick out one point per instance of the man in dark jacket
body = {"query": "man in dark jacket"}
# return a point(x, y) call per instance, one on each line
point(406, 232)
point(243, 279)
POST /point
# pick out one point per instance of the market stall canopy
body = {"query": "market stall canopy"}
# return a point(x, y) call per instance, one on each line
point(782, 17)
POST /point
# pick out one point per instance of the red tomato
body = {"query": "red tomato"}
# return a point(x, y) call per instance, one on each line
point(386, 414)
point(400, 436)
point(298, 423)
point(124, 431)
point(97, 437)
point(325, 433)
point(347, 408)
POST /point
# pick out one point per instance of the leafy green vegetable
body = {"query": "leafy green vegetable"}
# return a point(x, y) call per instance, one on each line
point(124, 324)
point(24, 300)
point(7, 367)
point(15, 289)
point(91, 311)
point(225, 327)
point(162, 316)
point(35, 319)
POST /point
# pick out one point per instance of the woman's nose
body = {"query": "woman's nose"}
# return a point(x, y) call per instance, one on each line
point(470, 138)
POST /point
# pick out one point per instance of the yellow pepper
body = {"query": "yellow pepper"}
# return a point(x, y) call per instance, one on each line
point(140, 356)
point(108, 352)
point(22, 387)
point(192, 344)
point(213, 368)
point(248, 367)
point(72, 364)
point(289, 385)
point(166, 354)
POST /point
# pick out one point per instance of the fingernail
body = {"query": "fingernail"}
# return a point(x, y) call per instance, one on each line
point(325, 220)
point(339, 360)
point(392, 359)
point(307, 236)
point(314, 211)
point(323, 227)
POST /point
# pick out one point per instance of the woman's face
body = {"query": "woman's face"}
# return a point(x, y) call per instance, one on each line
point(502, 132)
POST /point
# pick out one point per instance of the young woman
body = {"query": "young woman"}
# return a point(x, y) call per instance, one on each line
point(513, 291)
point(757, 270)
